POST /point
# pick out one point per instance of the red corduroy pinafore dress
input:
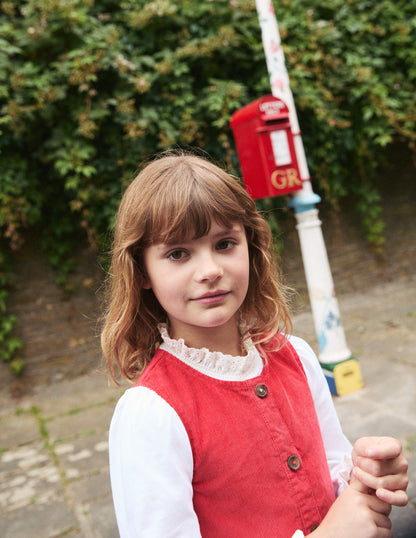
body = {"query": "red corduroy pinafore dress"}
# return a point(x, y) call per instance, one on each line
point(260, 469)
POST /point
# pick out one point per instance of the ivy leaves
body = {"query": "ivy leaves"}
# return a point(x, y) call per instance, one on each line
point(91, 88)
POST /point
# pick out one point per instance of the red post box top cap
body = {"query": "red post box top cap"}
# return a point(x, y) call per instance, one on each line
point(268, 107)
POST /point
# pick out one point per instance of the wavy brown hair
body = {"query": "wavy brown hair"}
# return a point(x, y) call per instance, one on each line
point(175, 195)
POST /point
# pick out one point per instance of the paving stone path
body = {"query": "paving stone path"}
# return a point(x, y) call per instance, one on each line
point(53, 442)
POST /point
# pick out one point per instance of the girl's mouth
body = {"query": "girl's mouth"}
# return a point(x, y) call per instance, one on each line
point(212, 297)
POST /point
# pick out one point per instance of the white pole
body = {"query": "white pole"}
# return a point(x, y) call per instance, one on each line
point(333, 349)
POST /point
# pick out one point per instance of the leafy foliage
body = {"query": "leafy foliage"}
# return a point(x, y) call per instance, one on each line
point(354, 79)
point(90, 88)
point(9, 344)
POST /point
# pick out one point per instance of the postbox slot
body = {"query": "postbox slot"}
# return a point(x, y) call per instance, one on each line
point(270, 127)
point(272, 121)
point(270, 124)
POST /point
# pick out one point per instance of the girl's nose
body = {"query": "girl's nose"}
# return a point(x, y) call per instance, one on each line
point(208, 269)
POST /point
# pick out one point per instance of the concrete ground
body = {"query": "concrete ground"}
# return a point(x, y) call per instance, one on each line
point(53, 443)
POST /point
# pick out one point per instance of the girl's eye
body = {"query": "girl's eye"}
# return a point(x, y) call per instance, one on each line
point(225, 244)
point(176, 255)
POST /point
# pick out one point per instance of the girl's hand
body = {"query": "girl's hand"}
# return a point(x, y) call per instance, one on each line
point(355, 514)
point(379, 464)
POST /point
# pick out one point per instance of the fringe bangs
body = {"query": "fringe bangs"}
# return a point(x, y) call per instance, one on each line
point(190, 204)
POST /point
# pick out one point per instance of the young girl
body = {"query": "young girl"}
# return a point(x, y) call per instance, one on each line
point(229, 429)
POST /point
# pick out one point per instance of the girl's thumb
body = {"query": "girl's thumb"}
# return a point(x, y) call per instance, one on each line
point(356, 483)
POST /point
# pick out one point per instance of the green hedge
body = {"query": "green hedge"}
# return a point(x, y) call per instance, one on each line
point(90, 88)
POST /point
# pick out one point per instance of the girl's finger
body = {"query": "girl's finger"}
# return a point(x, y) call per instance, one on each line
point(395, 498)
point(391, 482)
point(379, 506)
point(378, 447)
point(397, 465)
point(382, 521)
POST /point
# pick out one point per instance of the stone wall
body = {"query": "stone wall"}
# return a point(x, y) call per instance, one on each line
point(60, 333)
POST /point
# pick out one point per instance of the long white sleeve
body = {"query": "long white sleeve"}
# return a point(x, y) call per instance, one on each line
point(151, 463)
point(151, 469)
point(336, 444)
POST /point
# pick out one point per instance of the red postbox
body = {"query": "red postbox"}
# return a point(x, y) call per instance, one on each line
point(265, 148)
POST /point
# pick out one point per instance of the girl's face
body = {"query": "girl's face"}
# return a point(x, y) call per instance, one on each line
point(201, 283)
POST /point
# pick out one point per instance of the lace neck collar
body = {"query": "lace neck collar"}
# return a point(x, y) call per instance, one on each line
point(214, 363)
